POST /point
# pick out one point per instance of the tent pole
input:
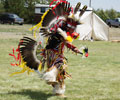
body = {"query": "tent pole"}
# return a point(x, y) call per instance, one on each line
point(91, 21)
point(92, 36)
point(90, 3)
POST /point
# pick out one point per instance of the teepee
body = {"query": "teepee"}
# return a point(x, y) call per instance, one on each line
point(92, 27)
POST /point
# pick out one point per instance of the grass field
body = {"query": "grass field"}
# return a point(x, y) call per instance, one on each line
point(94, 78)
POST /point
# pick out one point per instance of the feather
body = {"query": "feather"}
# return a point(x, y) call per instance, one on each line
point(61, 9)
point(28, 49)
point(83, 10)
point(77, 7)
point(48, 18)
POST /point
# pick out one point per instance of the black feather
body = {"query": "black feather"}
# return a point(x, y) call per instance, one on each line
point(77, 7)
point(62, 9)
point(48, 18)
point(27, 49)
point(83, 10)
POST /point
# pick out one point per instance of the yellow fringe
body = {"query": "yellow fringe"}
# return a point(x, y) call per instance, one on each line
point(36, 27)
point(40, 67)
point(24, 68)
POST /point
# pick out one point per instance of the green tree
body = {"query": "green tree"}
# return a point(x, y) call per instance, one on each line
point(2, 7)
point(107, 14)
point(45, 1)
point(49, 1)
point(101, 14)
point(112, 14)
point(14, 6)
point(30, 10)
point(118, 14)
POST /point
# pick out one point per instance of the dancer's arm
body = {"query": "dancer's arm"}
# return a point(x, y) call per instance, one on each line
point(72, 47)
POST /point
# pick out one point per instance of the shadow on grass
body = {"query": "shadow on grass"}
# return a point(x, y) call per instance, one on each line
point(34, 95)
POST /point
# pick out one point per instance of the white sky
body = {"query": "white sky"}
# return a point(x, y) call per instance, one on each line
point(104, 4)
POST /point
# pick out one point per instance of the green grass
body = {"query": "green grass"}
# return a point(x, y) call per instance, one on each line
point(94, 78)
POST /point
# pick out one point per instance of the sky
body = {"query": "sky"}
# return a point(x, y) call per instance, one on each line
point(101, 4)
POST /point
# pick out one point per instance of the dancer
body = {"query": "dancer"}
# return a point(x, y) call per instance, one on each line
point(58, 25)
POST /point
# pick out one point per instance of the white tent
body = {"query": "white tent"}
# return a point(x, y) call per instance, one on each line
point(93, 27)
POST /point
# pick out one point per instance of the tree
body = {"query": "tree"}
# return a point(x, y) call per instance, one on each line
point(14, 6)
point(30, 10)
point(1, 7)
point(118, 14)
point(107, 14)
point(101, 14)
point(45, 1)
point(112, 14)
